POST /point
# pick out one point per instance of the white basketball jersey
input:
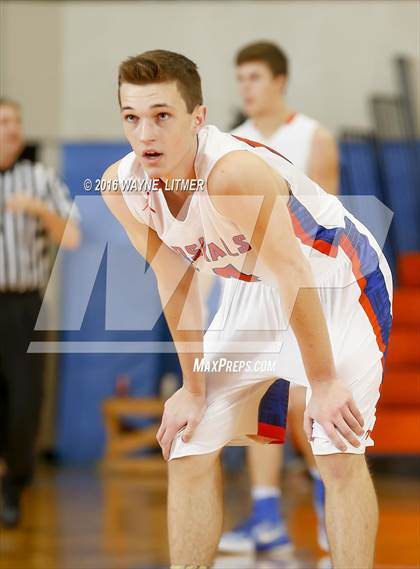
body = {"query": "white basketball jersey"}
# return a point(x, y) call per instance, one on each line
point(211, 242)
point(293, 139)
point(249, 325)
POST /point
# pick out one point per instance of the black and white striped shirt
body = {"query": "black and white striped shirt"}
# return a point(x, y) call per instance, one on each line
point(24, 244)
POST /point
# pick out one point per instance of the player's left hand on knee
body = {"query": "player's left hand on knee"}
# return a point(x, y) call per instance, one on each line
point(332, 406)
point(183, 409)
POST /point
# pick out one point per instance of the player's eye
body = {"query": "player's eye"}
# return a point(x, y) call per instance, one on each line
point(163, 116)
point(130, 118)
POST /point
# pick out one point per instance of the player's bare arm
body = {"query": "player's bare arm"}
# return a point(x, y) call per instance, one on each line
point(324, 161)
point(273, 240)
point(178, 290)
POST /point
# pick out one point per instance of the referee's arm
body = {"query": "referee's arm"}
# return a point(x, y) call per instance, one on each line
point(62, 231)
point(54, 209)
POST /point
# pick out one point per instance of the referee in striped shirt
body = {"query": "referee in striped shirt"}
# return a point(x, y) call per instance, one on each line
point(34, 212)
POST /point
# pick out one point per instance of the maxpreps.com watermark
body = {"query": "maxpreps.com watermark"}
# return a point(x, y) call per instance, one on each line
point(233, 366)
point(144, 185)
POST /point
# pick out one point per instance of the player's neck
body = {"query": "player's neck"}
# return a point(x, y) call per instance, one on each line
point(268, 122)
point(185, 171)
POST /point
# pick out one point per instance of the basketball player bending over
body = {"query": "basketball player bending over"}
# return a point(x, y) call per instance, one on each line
point(291, 254)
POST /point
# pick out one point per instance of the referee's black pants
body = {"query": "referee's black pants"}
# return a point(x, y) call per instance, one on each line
point(21, 385)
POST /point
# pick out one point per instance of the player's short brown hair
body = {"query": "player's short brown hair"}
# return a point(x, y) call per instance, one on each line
point(267, 52)
point(6, 102)
point(161, 66)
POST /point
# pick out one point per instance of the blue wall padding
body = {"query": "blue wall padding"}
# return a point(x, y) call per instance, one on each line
point(365, 196)
point(86, 379)
point(400, 162)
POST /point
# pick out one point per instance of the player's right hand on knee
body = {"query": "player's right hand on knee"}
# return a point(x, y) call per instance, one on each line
point(332, 406)
point(183, 409)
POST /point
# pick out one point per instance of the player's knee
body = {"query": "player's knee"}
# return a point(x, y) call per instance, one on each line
point(337, 469)
point(194, 466)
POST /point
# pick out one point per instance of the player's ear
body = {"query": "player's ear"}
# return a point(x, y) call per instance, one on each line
point(199, 117)
point(281, 81)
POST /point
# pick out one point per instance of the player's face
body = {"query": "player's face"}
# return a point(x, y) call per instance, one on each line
point(11, 133)
point(159, 127)
point(258, 88)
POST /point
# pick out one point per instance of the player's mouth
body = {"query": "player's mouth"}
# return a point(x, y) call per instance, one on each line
point(151, 156)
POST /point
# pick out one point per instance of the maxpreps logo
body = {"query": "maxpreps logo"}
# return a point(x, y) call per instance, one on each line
point(201, 365)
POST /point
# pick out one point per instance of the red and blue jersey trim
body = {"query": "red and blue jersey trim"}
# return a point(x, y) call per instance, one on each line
point(374, 299)
point(256, 144)
point(374, 296)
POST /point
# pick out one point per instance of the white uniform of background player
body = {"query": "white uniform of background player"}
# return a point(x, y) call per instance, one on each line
point(294, 138)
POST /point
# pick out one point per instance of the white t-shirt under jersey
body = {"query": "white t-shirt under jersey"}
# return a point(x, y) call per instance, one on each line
point(293, 139)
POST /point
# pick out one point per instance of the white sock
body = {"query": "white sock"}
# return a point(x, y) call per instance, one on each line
point(261, 492)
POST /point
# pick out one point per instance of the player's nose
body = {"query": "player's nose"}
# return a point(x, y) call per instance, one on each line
point(145, 132)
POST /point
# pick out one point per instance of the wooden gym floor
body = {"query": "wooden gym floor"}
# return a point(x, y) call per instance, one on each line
point(84, 519)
